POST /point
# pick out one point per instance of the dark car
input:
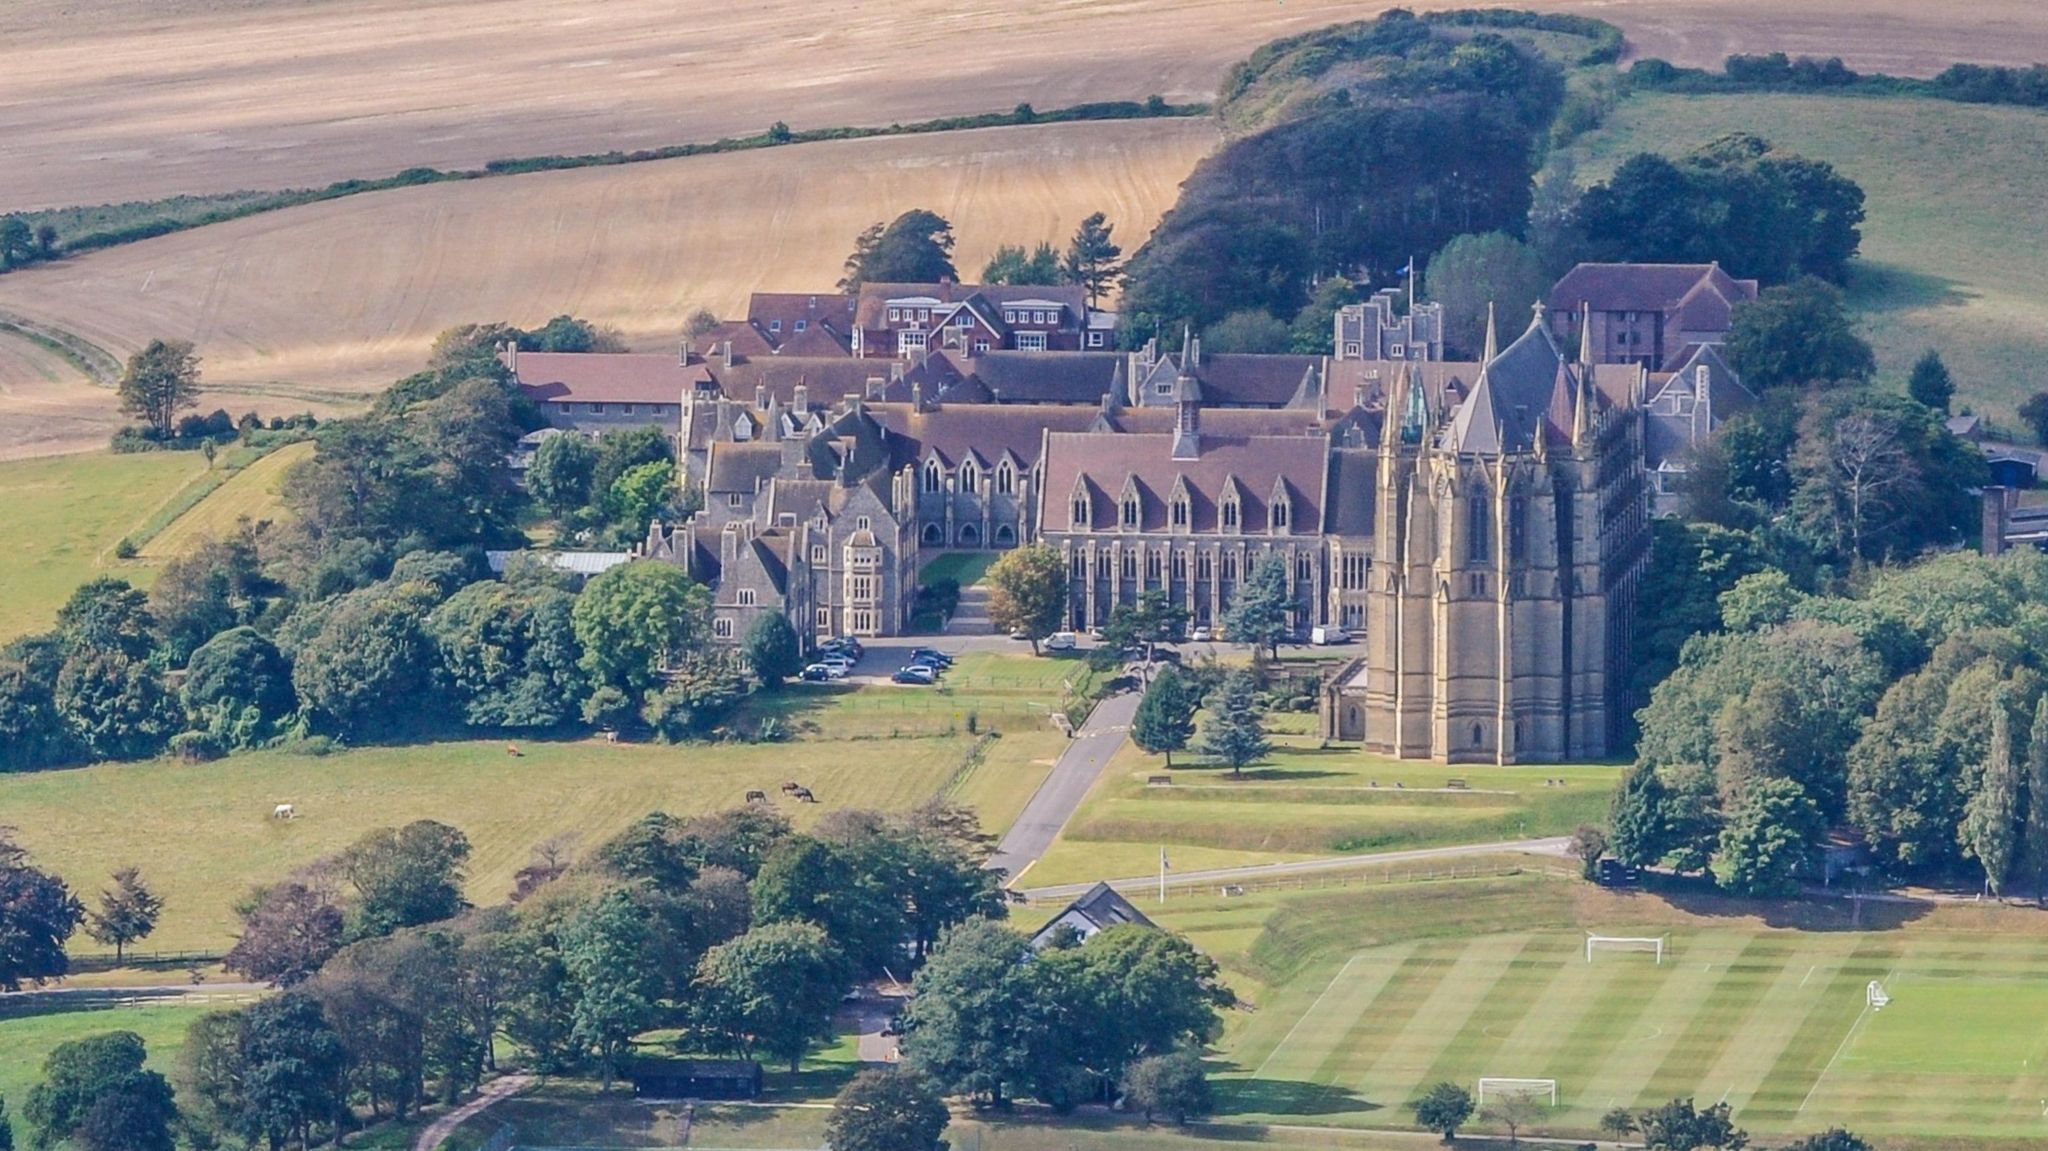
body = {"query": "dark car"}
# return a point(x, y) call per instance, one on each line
point(915, 674)
point(930, 654)
point(938, 667)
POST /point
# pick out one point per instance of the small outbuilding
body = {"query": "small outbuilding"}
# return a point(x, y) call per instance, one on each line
point(1099, 910)
point(695, 1078)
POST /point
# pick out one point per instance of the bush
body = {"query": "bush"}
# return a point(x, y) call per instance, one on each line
point(126, 549)
point(195, 746)
point(316, 746)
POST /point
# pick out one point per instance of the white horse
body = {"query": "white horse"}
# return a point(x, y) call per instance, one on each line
point(284, 811)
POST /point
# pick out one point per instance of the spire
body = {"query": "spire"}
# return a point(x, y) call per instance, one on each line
point(1414, 412)
point(1492, 340)
point(1582, 415)
point(1586, 335)
point(1390, 419)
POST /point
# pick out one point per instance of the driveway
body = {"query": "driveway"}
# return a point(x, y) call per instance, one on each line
point(1056, 800)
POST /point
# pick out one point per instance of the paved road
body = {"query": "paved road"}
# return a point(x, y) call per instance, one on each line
point(1341, 863)
point(1062, 792)
point(440, 1129)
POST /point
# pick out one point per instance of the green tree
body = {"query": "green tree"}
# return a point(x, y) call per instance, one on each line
point(1165, 720)
point(1930, 383)
point(406, 877)
point(1262, 613)
point(32, 733)
point(638, 620)
point(1589, 845)
point(1174, 1083)
point(6, 1127)
point(561, 473)
point(2034, 413)
point(1236, 729)
point(1028, 592)
point(509, 654)
point(1641, 829)
point(1248, 330)
point(1760, 600)
point(365, 666)
point(38, 913)
point(887, 1111)
point(1474, 277)
point(1798, 334)
point(622, 449)
point(606, 952)
point(1618, 1124)
point(76, 1075)
point(1154, 619)
point(1877, 476)
point(1679, 1126)
point(286, 1072)
point(773, 650)
point(1093, 259)
point(1314, 327)
point(115, 707)
point(838, 887)
point(238, 686)
point(2034, 838)
point(136, 1113)
point(771, 990)
point(1770, 840)
point(1991, 819)
point(1142, 992)
point(1013, 265)
point(973, 1023)
point(915, 248)
point(127, 912)
point(1443, 1108)
point(17, 243)
point(700, 693)
point(1832, 1139)
point(638, 496)
point(1514, 1111)
point(160, 381)
point(108, 615)
point(288, 930)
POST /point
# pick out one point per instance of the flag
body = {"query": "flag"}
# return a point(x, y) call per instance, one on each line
point(1407, 270)
point(1164, 863)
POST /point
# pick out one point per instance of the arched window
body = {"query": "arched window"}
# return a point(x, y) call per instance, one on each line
point(1080, 511)
point(932, 476)
point(970, 536)
point(1130, 511)
point(970, 478)
point(1280, 513)
point(1005, 536)
point(1478, 736)
point(1479, 529)
point(934, 534)
point(1180, 511)
point(1230, 513)
point(1006, 478)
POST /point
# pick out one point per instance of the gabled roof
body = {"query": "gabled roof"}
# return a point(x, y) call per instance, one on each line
point(609, 377)
point(985, 432)
point(744, 468)
point(1101, 908)
point(1250, 465)
point(1048, 377)
point(1643, 287)
point(872, 307)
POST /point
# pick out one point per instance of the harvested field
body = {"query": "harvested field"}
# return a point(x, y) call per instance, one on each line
point(322, 303)
point(254, 494)
point(109, 100)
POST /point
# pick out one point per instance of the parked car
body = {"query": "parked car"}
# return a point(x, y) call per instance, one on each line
point(820, 672)
point(839, 663)
point(1202, 635)
point(1326, 636)
point(933, 654)
point(1061, 641)
point(915, 674)
point(844, 645)
point(1020, 633)
point(927, 661)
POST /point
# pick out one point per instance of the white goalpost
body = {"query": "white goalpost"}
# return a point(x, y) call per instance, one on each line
point(1625, 943)
point(1876, 996)
point(1531, 1088)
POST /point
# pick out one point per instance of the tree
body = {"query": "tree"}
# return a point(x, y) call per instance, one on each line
point(1930, 383)
point(887, 1111)
point(1797, 334)
point(561, 473)
point(288, 930)
point(38, 913)
point(1589, 845)
point(639, 496)
point(135, 1114)
point(771, 990)
point(1165, 720)
point(1444, 1108)
point(1475, 276)
point(216, 586)
point(606, 952)
point(2034, 839)
point(773, 650)
point(17, 243)
point(1641, 828)
point(1262, 613)
point(6, 1127)
point(1991, 819)
point(972, 1024)
point(1314, 327)
point(1679, 1126)
point(637, 620)
point(1248, 330)
point(1514, 1111)
point(108, 616)
point(1770, 840)
point(1236, 730)
point(1013, 265)
point(1174, 1083)
point(405, 877)
point(365, 666)
point(1092, 258)
point(1028, 592)
point(127, 912)
point(1877, 476)
point(699, 694)
point(76, 1075)
point(2034, 413)
point(160, 381)
point(509, 654)
point(916, 247)
point(840, 888)
point(1154, 619)
point(269, 1072)
point(1619, 1123)
point(114, 706)
point(1127, 993)
point(1832, 1139)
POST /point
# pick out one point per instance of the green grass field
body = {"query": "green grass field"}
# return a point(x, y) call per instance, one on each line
point(26, 1040)
point(883, 747)
point(1366, 998)
point(1309, 801)
point(1951, 190)
point(254, 493)
point(62, 517)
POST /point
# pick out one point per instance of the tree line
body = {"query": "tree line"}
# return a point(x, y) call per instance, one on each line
point(917, 247)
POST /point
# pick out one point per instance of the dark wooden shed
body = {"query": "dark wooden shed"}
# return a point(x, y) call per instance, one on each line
point(695, 1078)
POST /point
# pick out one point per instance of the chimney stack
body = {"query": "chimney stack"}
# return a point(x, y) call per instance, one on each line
point(801, 399)
point(761, 396)
point(725, 353)
point(512, 357)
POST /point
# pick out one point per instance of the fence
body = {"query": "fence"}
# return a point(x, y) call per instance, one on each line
point(100, 960)
point(1231, 886)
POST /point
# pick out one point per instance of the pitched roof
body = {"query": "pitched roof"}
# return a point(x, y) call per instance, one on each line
point(1104, 908)
point(1101, 466)
point(608, 377)
point(1244, 380)
point(983, 432)
point(1354, 477)
point(1365, 383)
point(803, 323)
point(1644, 287)
point(828, 379)
point(1048, 377)
point(871, 310)
point(744, 468)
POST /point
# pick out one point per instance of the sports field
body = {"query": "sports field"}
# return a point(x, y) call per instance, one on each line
point(1774, 1022)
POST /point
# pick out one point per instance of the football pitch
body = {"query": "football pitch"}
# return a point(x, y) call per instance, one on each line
point(1773, 1022)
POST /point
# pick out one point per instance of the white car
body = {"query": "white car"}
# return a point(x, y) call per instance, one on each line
point(1061, 641)
point(1201, 635)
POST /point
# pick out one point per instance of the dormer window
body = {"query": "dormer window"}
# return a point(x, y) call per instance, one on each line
point(1006, 478)
point(933, 476)
point(1081, 511)
point(970, 479)
point(1180, 511)
point(1130, 511)
point(1230, 514)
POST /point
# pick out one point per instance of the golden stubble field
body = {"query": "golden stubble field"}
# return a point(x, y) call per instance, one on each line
point(313, 305)
point(110, 100)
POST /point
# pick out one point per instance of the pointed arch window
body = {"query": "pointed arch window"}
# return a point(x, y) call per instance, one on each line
point(1180, 510)
point(934, 476)
point(1230, 511)
point(1081, 509)
point(970, 477)
point(1006, 478)
point(1479, 529)
point(1281, 514)
point(1130, 511)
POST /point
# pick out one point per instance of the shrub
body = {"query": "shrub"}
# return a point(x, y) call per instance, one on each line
point(195, 746)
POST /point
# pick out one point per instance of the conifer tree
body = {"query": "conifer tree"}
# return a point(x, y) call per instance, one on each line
point(1166, 716)
point(1992, 814)
point(1236, 731)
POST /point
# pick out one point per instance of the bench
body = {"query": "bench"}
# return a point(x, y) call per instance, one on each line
point(1230, 889)
point(1455, 785)
point(1158, 781)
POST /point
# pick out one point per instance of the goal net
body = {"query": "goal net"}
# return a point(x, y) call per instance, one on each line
point(1528, 1088)
point(1624, 943)
point(1876, 996)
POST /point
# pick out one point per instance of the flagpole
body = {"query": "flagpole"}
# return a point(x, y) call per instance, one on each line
point(1162, 873)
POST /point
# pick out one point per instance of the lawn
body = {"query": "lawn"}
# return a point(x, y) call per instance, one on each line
point(26, 1040)
point(63, 516)
point(255, 493)
point(1306, 801)
point(963, 568)
point(1950, 187)
point(1365, 998)
point(202, 833)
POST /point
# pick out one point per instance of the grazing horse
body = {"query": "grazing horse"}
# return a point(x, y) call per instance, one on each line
point(757, 797)
point(803, 795)
point(792, 787)
point(284, 811)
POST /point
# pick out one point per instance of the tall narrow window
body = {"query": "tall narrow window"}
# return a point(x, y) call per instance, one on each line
point(1081, 511)
point(1229, 514)
point(933, 476)
point(1130, 511)
point(1180, 511)
point(1280, 512)
point(1006, 478)
point(1479, 530)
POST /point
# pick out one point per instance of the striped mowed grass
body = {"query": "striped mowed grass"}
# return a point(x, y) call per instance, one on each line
point(1775, 1023)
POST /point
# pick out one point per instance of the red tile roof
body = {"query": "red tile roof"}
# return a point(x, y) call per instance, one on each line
point(1101, 465)
point(608, 377)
